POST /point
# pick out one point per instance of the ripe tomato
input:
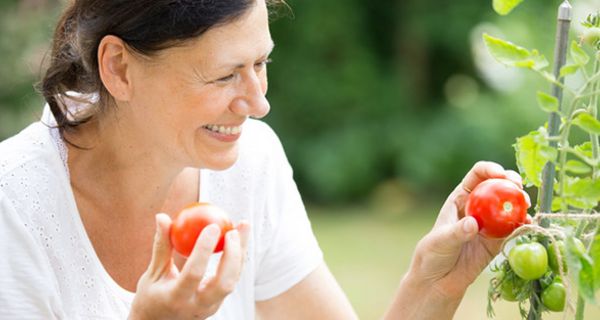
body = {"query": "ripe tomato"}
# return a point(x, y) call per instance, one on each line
point(553, 259)
point(499, 206)
point(191, 220)
point(554, 296)
point(529, 261)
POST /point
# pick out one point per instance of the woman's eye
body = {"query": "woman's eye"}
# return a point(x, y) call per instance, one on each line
point(225, 79)
point(263, 63)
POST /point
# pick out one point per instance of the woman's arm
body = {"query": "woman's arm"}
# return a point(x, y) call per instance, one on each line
point(446, 261)
point(318, 296)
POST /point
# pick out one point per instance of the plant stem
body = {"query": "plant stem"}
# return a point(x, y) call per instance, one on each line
point(580, 308)
point(594, 111)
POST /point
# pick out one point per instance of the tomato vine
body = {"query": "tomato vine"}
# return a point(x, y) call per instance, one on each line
point(565, 173)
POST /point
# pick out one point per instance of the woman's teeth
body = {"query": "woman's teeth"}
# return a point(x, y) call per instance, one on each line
point(223, 129)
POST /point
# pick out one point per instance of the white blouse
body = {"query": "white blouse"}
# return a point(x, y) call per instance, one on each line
point(48, 266)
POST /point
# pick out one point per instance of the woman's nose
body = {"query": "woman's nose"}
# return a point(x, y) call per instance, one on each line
point(253, 102)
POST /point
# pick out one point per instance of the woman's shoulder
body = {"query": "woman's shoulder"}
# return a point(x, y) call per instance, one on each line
point(32, 144)
point(260, 143)
point(30, 164)
point(258, 132)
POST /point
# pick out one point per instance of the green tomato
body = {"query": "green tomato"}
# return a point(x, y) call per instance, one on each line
point(509, 290)
point(554, 296)
point(553, 260)
point(528, 260)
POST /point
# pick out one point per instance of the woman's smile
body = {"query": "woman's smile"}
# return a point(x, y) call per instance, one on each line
point(224, 133)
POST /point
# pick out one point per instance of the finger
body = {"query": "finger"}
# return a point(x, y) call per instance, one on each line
point(514, 177)
point(228, 272)
point(481, 171)
point(195, 267)
point(527, 199)
point(244, 229)
point(162, 249)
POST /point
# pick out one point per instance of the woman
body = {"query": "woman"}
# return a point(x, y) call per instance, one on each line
point(140, 94)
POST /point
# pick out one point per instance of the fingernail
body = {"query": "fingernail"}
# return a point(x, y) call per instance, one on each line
point(470, 225)
point(233, 235)
point(211, 231)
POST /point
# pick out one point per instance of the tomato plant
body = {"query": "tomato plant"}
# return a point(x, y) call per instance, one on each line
point(191, 220)
point(562, 160)
point(499, 206)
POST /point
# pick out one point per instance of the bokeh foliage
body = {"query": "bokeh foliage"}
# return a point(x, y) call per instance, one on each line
point(361, 91)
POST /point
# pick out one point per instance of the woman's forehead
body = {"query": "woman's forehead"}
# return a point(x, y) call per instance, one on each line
point(237, 41)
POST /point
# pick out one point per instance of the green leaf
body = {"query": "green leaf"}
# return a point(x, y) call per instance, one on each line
point(547, 102)
point(582, 193)
point(532, 153)
point(504, 7)
point(588, 123)
point(510, 54)
point(539, 60)
point(585, 149)
point(594, 253)
point(582, 266)
point(577, 167)
point(578, 54)
point(557, 203)
point(569, 69)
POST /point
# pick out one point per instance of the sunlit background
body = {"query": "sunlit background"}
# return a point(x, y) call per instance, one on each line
point(382, 106)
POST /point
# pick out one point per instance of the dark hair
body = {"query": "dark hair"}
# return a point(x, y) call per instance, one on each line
point(146, 26)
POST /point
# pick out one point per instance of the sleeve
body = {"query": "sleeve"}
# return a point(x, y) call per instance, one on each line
point(292, 251)
point(27, 290)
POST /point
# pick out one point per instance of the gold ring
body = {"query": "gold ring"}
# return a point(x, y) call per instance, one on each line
point(466, 189)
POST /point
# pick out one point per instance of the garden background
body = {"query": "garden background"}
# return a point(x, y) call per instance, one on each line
point(382, 107)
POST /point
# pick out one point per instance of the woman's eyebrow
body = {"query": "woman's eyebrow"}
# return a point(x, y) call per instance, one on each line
point(242, 65)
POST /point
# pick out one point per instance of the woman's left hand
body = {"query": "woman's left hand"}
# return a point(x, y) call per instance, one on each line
point(451, 256)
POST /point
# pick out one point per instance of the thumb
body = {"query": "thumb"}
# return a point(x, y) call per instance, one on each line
point(162, 249)
point(450, 238)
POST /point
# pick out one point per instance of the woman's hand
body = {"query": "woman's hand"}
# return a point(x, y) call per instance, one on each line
point(164, 292)
point(453, 254)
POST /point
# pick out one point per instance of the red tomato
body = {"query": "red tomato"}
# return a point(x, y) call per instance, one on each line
point(191, 220)
point(499, 206)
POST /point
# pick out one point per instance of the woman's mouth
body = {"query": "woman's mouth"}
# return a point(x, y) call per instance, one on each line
point(223, 129)
point(223, 133)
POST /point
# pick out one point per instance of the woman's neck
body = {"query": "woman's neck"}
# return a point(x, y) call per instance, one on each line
point(117, 173)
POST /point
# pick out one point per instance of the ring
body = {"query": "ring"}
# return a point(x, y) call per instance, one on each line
point(466, 189)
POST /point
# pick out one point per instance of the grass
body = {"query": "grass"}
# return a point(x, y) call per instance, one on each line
point(369, 249)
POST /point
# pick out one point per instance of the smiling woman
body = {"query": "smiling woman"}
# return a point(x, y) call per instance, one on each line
point(153, 105)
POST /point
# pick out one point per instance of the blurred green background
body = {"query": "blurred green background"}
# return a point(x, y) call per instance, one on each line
point(382, 107)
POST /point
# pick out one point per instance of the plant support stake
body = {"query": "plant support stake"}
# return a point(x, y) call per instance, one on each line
point(560, 56)
point(545, 205)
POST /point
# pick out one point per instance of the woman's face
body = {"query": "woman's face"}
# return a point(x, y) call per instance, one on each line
point(190, 102)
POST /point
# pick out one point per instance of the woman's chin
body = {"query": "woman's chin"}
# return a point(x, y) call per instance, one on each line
point(220, 163)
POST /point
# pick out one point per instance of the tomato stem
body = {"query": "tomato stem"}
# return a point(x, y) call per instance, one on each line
point(507, 206)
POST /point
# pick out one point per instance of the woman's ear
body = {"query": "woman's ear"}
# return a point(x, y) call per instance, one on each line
point(114, 66)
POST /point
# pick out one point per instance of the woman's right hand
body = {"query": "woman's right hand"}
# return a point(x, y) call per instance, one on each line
point(164, 292)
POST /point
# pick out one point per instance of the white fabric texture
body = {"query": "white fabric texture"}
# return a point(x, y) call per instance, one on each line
point(49, 269)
